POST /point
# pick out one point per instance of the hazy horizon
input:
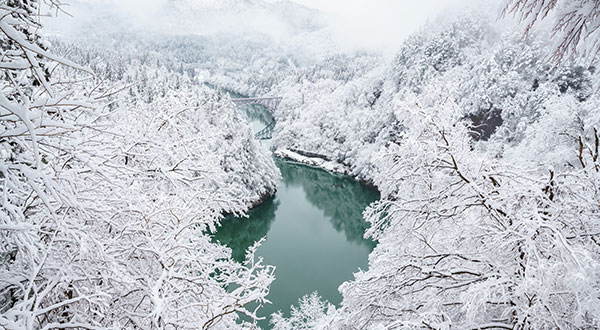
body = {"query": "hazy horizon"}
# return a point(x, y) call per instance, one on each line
point(379, 25)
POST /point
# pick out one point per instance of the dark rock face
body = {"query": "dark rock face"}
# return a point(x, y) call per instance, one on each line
point(484, 124)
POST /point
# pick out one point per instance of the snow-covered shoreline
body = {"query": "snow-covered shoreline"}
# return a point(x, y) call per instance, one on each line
point(315, 161)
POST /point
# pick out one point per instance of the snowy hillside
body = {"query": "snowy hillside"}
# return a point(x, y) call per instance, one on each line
point(243, 46)
point(499, 82)
point(108, 207)
point(482, 150)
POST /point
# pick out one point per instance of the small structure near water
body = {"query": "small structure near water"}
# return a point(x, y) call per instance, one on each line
point(271, 103)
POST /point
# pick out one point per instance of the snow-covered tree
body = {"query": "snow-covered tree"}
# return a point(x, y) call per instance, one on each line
point(107, 196)
point(308, 315)
point(485, 157)
point(40, 216)
point(476, 243)
point(576, 23)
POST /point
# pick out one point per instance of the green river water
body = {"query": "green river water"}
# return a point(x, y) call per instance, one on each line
point(314, 234)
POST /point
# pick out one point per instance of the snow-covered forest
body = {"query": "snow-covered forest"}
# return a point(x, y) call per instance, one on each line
point(122, 152)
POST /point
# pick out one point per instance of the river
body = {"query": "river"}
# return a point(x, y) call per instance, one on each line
point(314, 233)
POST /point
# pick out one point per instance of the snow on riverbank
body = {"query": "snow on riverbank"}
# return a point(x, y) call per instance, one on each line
point(316, 161)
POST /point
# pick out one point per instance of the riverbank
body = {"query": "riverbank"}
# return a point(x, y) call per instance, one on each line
point(263, 198)
point(323, 162)
point(309, 159)
point(313, 159)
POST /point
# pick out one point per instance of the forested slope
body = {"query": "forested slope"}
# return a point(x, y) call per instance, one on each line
point(501, 82)
point(110, 182)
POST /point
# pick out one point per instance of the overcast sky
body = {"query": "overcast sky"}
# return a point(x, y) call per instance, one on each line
point(377, 23)
point(368, 24)
point(373, 11)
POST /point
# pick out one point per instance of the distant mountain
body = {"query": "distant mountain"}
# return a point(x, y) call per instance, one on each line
point(282, 19)
point(195, 5)
point(208, 16)
point(301, 17)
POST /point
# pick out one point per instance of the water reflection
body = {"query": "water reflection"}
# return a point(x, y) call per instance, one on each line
point(314, 229)
point(340, 197)
point(314, 234)
point(240, 233)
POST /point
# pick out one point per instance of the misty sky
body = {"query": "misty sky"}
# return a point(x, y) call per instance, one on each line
point(380, 12)
point(377, 22)
point(370, 24)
